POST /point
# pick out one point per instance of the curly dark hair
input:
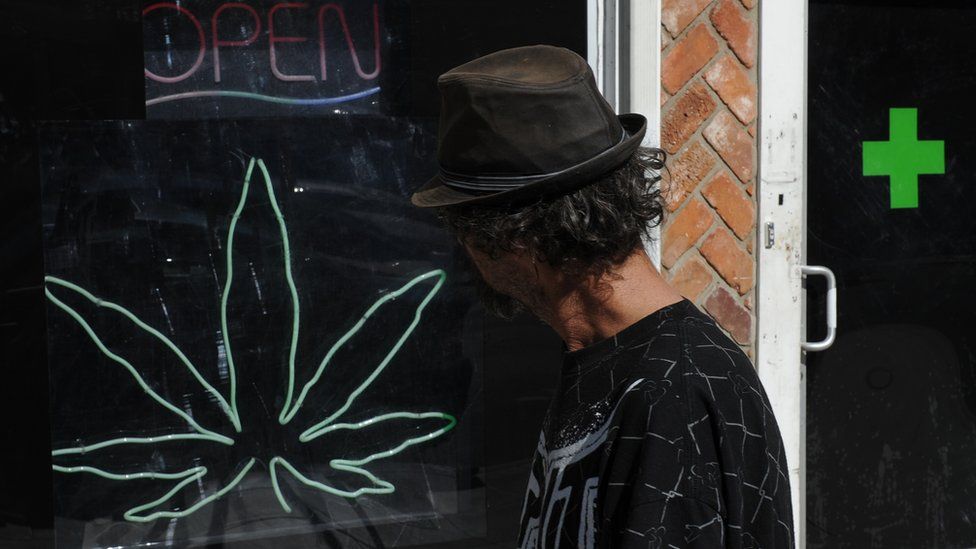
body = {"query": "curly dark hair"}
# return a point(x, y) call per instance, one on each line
point(583, 233)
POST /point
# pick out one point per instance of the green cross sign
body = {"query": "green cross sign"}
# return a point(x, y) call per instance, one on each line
point(903, 157)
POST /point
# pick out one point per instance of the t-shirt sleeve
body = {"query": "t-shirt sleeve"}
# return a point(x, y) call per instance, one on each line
point(675, 521)
point(653, 477)
point(697, 459)
point(736, 446)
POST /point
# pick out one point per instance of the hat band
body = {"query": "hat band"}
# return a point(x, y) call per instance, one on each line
point(498, 183)
point(488, 183)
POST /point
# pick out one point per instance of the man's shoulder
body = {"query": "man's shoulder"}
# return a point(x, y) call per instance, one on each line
point(689, 338)
point(704, 428)
point(717, 374)
point(686, 359)
point(706, 346)
point(734, 431)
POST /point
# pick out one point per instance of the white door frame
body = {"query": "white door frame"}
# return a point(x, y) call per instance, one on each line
point(624, 49)
point(781, 231)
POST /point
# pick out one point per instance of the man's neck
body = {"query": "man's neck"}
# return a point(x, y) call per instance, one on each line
point(583, 313)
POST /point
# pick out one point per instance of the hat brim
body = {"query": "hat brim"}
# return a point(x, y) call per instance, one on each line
point(435, 193)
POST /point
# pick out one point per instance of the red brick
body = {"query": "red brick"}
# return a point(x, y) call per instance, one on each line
point(691, 278)
point(736, 29)
point(731, 82)
point(687, 57)
point(664, 97)
point(731, 203)
point(751, 189)
point(733, 264)
point(747, 301)
point(687, 171)
point(732, 143)
point(685, 115)
point(749, 4)
point(752, 130)
point(730, 315)
point(665, 39)
point(685, 229)
point(677, 14)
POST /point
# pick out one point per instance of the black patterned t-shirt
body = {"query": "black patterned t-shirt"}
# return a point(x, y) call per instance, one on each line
point(661, 436)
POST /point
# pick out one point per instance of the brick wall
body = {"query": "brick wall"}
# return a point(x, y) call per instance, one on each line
point(708, 128)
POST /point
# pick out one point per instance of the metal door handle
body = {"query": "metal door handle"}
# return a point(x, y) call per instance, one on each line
point(831, 307)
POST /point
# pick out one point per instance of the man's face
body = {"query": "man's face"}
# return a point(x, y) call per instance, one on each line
point(504, 286)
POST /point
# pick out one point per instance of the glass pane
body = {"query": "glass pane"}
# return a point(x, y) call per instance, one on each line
point(251, 334)
point(891, 430)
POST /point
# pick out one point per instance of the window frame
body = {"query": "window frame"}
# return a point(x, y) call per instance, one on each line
point(624, 50)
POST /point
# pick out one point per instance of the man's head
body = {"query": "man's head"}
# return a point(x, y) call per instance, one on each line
point(582, 234)
point(539, 178)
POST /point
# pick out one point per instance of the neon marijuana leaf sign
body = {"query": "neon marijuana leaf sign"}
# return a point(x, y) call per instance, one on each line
point(422, 426)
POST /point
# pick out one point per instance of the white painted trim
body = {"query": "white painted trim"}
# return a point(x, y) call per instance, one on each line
point(645, 65)
point(595, 48)
point(782, 179)
point(644, 93)
point(603, 46)
point(634, 86)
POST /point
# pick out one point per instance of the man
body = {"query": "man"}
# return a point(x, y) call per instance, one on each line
point(660, 433)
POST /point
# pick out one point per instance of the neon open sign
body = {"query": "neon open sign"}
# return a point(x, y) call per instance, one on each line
point(295, 53)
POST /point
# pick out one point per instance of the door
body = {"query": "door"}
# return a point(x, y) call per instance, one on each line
point(891, 405)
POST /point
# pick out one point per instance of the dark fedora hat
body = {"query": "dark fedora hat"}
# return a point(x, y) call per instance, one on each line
point(521, 123)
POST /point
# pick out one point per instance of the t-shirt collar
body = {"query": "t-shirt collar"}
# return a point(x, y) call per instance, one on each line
point(636, 332)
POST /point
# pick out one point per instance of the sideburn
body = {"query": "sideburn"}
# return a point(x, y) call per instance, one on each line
point(495, 302)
